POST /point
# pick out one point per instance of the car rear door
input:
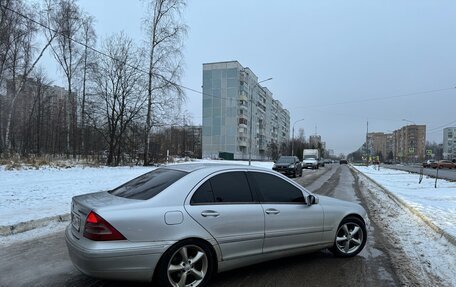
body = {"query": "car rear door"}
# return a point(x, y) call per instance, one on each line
point(289, 222)
point(225, 206)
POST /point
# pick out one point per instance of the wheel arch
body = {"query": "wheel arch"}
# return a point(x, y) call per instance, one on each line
point(355, 215)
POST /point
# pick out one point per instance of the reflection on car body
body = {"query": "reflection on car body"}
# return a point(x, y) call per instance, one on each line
point(179, 224)
point(289, 165)
point(443, 164)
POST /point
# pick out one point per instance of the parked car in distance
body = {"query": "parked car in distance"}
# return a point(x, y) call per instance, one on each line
point(321, 162)
point(179, 224)
point(443, 164)
point(428, 163)
point(343, 161)
point(288, 165)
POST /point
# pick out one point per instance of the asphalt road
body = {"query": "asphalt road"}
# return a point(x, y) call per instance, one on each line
point(45, 262)
point(449, 174)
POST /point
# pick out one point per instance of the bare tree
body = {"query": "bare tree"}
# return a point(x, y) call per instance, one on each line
point(165, 32)
point(64, 16)
point(35, 125)
point(89, 38)
point(20, 55)
point(118, 90)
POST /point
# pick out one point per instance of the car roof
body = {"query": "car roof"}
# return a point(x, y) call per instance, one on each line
point(210, 167)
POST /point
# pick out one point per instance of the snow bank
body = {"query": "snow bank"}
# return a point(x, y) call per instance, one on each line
point(437, 204)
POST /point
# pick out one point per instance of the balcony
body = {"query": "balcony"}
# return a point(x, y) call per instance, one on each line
point(242, 142)
point(262, 145)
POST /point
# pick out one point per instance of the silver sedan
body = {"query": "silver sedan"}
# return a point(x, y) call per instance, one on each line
point(180, 224)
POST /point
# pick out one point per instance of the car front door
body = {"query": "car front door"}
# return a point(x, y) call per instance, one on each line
point(225, 206)
point(289, 222)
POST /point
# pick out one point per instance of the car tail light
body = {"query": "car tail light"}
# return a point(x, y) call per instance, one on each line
point(98, 229)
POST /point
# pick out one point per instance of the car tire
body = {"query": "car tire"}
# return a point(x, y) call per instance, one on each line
point(190, 260)
point(351, 237)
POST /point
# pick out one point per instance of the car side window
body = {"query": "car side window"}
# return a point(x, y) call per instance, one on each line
point(228, 187)
point(231, 187)
point(274, 189)
point(203, 194)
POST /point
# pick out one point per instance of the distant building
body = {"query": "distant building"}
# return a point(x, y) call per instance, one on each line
point(236, 109)
point(409, 143)
point(314, 141)
point(379, 144)
point(449, 143)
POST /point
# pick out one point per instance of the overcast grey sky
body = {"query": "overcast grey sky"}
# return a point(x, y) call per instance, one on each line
point(337, 64)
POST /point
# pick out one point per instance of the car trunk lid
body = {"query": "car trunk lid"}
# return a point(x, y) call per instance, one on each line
point(82, 205)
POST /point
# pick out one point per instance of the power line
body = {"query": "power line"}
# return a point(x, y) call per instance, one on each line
point(95, 50)
point(380, 98)
point(210, 95)
point(439, 127)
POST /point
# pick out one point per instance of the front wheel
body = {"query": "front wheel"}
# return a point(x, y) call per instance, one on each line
point(188, 263)
point(351, 237)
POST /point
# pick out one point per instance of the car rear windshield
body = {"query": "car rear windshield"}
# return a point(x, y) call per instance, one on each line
point(149, 184)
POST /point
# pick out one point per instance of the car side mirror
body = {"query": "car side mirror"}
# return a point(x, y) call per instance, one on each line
point(311, 199)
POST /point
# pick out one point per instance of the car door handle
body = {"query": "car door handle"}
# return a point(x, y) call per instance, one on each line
point(212, 213)
point(272, 211)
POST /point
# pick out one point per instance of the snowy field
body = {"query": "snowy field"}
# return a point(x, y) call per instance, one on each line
point(437, 204)
point(30, 194)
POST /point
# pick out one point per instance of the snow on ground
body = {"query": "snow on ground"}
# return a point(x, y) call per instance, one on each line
point(30, 194)
point(437, 204)
point(34, 194)
point(422, 256)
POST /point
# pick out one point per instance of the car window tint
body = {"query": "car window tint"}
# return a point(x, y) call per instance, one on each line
point(231, 187)
point(203, 194)
point(285, 159)
point(148, 185)
point(274, 189)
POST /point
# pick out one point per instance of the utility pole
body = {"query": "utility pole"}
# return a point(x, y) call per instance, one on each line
point(367, 144)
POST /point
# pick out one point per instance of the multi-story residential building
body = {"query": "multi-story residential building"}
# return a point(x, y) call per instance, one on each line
point(380, 144)
point(449, 143)
point(409, 143)
point(237, 110)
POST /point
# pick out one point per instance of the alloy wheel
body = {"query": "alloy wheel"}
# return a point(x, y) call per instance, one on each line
point(188, 266)
point(350, 238)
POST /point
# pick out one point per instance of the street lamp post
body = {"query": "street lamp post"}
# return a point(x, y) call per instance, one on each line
point(252, 89)
point(292, 136)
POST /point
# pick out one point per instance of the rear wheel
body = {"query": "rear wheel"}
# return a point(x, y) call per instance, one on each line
point(188, 263)
point(350, 238)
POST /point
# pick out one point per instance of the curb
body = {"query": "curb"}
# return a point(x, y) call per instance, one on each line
point(32, 224)
point(403, 204)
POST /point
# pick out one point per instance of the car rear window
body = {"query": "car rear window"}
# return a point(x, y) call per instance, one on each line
point(149, 184)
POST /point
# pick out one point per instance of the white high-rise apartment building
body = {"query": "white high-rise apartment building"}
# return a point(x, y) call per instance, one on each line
point(236, 108)
point(449, 143)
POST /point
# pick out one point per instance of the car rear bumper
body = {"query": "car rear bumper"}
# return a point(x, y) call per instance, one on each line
point(309, 165)
point(121, 260)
